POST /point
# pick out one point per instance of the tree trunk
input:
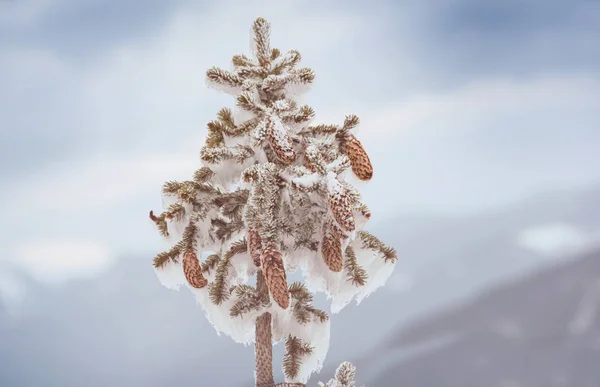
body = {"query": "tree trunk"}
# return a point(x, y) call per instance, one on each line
point(263, 346)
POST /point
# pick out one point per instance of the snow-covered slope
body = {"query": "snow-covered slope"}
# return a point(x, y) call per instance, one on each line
point(540, 330)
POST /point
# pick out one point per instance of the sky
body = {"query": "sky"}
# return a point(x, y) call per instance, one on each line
point(465, 105)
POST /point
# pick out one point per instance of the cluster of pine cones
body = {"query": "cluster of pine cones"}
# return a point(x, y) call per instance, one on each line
point(270, 258)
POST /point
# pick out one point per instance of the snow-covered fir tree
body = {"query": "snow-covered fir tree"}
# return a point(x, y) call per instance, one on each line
point(269, 198)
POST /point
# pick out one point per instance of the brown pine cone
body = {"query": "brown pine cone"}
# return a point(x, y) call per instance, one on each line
point(359, 160)
point(339, 202)
point(275, 277)
point(193, 270)
point(254, 246)
point(331, 249)
point(280, 142)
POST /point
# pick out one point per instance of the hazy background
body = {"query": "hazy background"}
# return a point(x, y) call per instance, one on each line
point(482, 119)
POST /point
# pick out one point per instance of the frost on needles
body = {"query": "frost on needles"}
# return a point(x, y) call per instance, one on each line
point(269, 198)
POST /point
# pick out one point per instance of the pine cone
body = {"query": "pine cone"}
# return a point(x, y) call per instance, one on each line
point(331, 249)
point(275, 277)
point(193, 270)
point(254, 246)
point(339, 202)
point(280, 141)
point(359, 160)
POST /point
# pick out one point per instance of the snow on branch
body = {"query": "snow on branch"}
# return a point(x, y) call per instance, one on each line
point(219, 289)
point(262, 45)
point(344, 376)
point(223, 80)
point(285, 62)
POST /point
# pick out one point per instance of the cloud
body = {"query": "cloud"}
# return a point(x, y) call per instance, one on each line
point(521, 38)
point(130, 100)
point(486, 143)
point(556, 240)
point(100, 183)
point(56, 260)
point(470, 107)
point(22, 13)
point(137, 96)
point(77, 28)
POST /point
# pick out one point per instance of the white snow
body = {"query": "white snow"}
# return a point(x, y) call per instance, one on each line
point(227, 172)
point(175, 227)
point(232, 141)
point(284, 58)
point(203, 237)
point(294, 90)
point(265, 31)
point(339, 166)
point(239, 329)
point(259, 135)
point(281, 105)
point(377, 269)
point(337, 287)
point(240, 115)
point(280, 134)
point(334, 187)
point(171, 275)
point(308, 181)
point(315, 333)
point(231, 90)
point(360, 220)
point(242, 268)
point(344, 376)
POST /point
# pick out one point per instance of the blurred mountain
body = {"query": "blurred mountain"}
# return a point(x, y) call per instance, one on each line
point(120, 329)
point(444, 260)
point(538, 331)
point(124, 329)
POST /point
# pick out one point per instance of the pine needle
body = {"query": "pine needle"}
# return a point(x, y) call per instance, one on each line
point(218, 291)
point(171, 255)
point(210, 263)
point(356, 273)
point(248, 299)
point(295, 350)
point(370, 241)
point(203, 174)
